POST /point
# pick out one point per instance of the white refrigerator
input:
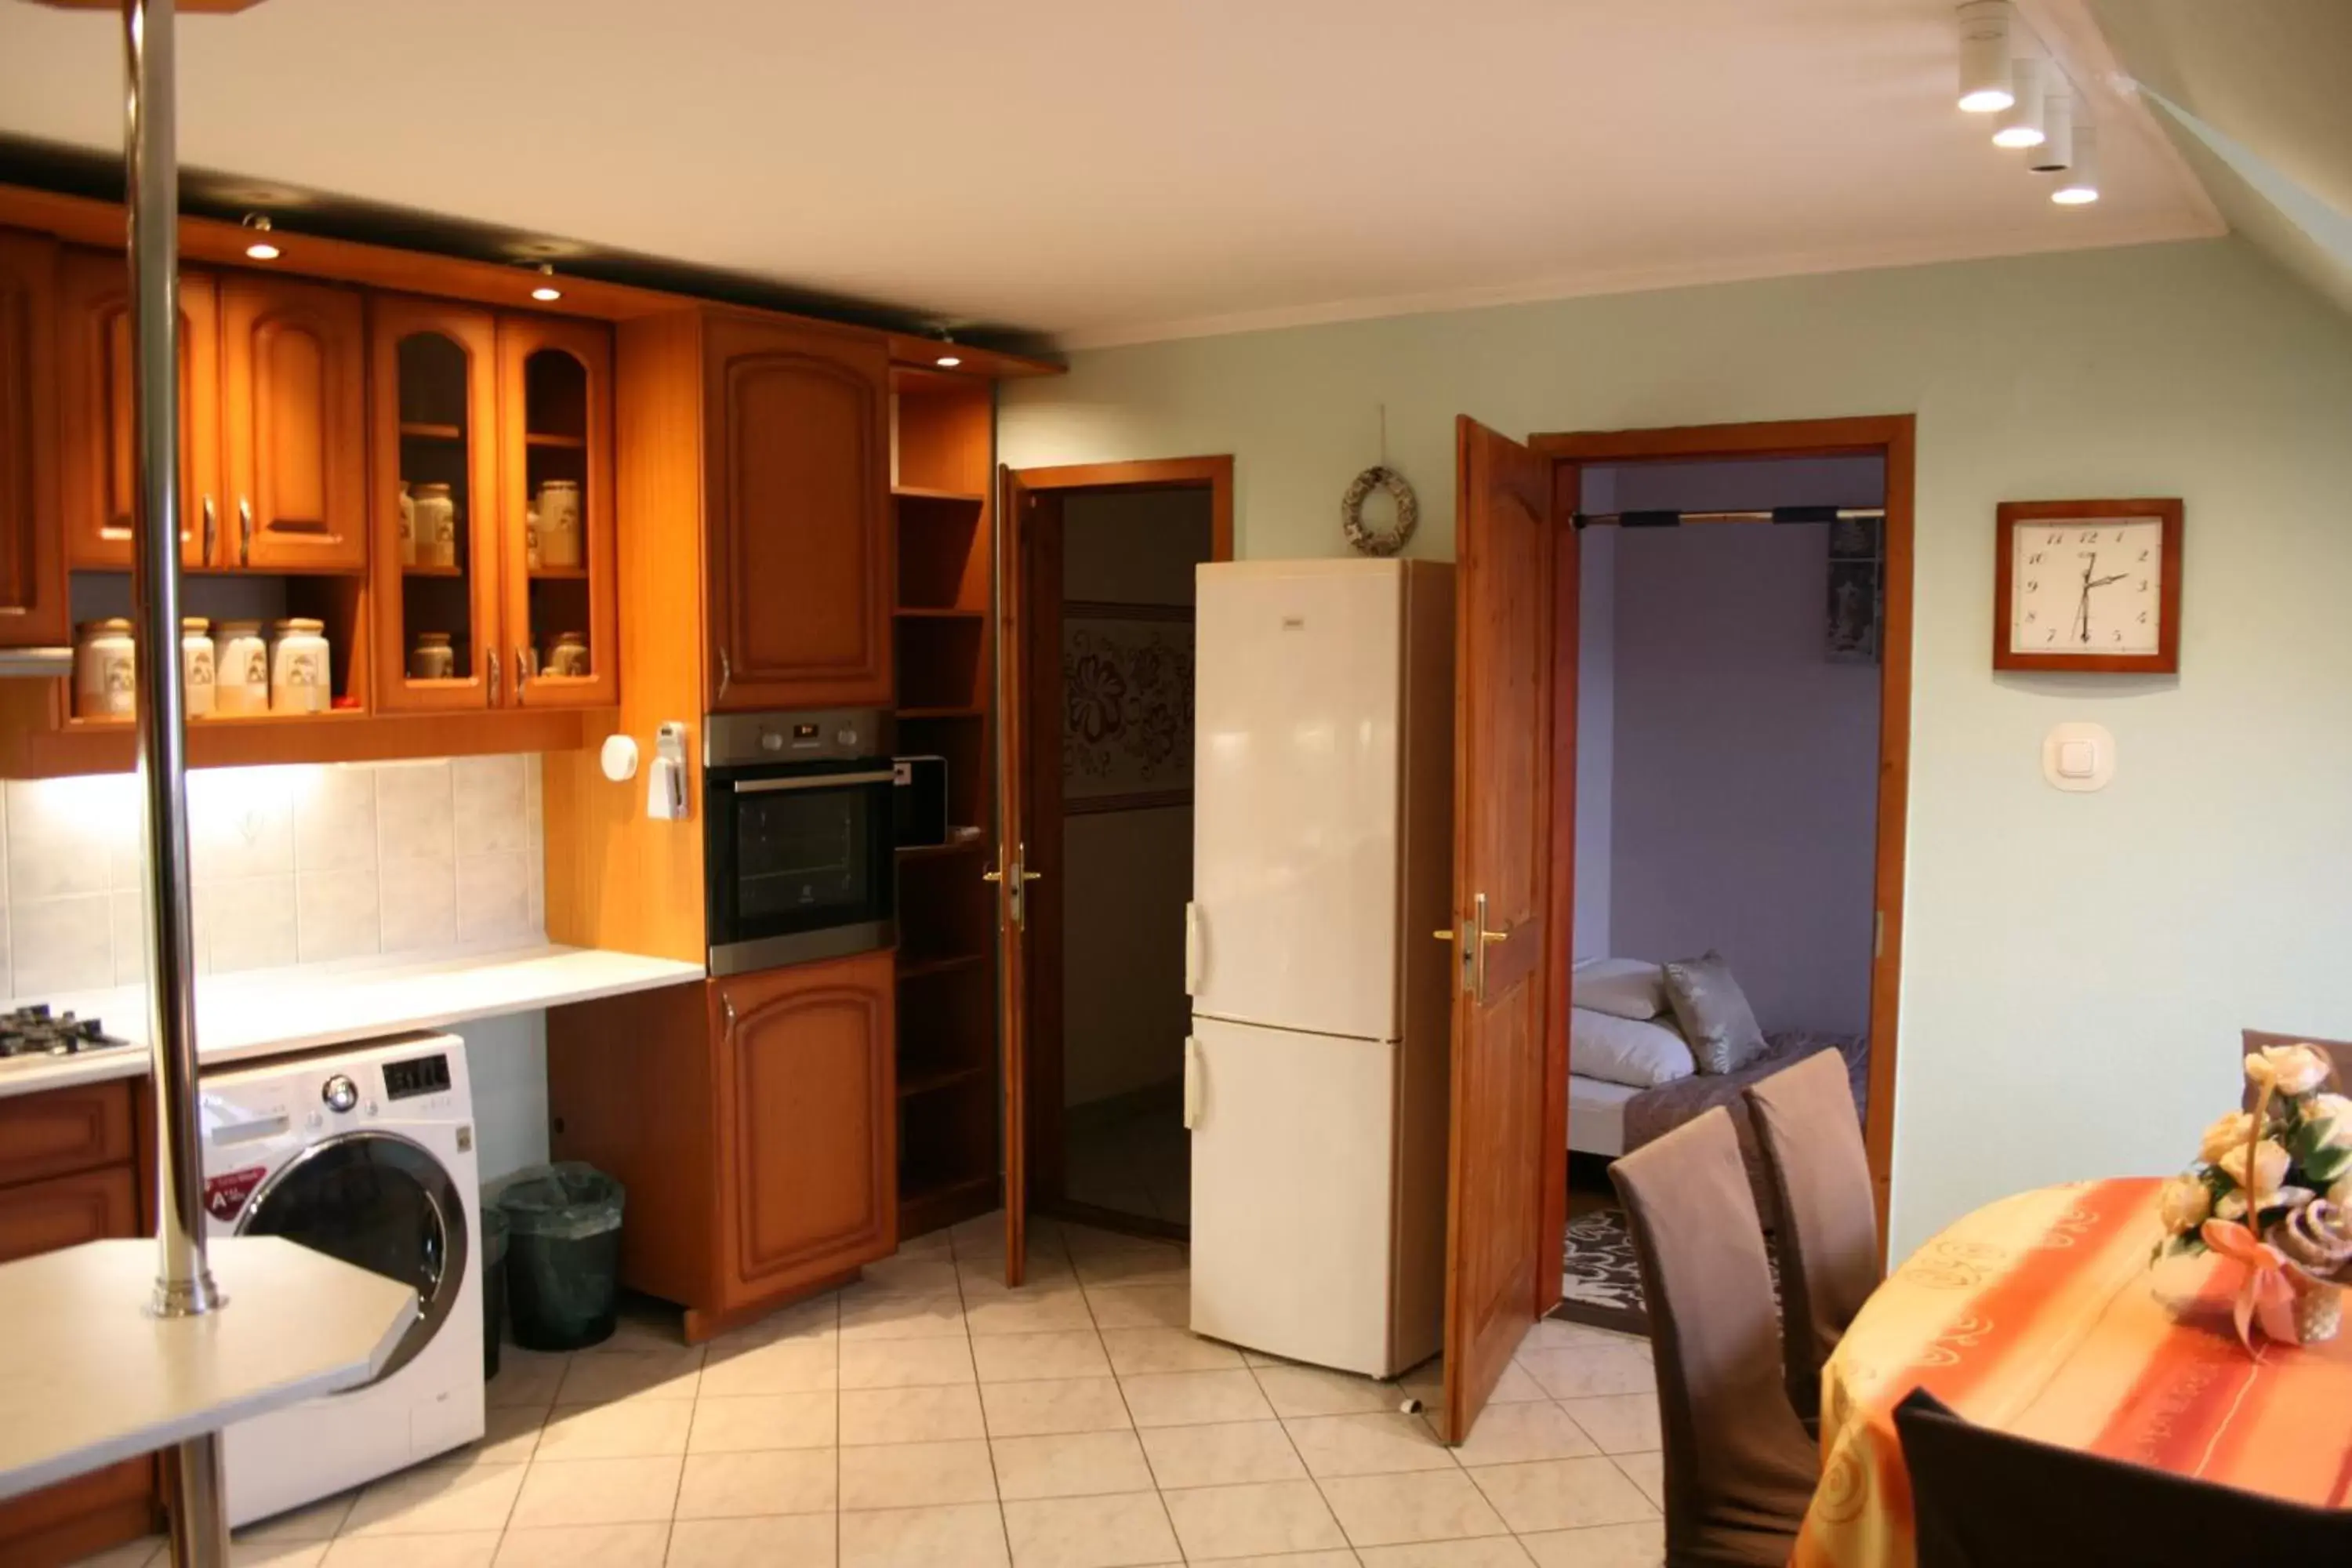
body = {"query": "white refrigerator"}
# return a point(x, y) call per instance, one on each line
point(1316, 1075)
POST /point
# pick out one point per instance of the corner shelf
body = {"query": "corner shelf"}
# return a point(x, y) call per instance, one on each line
point(412, 430)
point(559, 573)
point(923, 967)
point(927, 493)
point(567, 443)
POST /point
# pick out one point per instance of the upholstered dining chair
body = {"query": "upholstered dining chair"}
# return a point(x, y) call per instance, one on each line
point(1982, 1499)
point(1740, 1470)
point(2338, 1052)
point(1827, 1240)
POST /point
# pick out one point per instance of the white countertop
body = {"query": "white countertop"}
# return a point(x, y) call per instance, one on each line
point(88, 1376)
point(271, 1012)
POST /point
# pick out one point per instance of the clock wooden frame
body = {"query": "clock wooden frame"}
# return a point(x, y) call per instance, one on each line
point(2164, 660)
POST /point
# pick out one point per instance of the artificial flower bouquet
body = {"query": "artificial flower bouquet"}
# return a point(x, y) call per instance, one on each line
point(2272, 1190)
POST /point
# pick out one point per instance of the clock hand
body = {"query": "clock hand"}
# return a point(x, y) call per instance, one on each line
point(2103, 582)
point(2082, 607)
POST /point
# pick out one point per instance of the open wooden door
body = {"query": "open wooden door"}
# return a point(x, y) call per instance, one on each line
point(1502, 756)
point(1014, 532)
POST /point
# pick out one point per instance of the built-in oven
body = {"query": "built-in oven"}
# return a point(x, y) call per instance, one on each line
point(798, 837)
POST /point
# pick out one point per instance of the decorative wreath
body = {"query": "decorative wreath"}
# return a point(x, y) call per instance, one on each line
point(1351, 512)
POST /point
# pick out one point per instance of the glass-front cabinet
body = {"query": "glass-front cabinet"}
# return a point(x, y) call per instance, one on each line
point(555, 379)
point(436, 506)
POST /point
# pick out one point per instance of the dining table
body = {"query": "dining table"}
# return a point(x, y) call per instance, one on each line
point(2049, 1315)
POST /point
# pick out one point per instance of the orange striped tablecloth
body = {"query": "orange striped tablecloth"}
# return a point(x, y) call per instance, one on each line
point(2040, 1315)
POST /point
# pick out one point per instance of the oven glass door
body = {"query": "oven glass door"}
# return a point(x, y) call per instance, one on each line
point(799, 851)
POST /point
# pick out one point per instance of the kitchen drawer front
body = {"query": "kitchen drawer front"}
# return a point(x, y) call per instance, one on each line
point(60, 1130)
point(66, 1211)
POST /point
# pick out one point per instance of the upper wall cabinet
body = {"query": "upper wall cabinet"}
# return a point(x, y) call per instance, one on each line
point(94, 382)
point(32, 608)
point(798, 517)
point(294, 393)
point(555, 419)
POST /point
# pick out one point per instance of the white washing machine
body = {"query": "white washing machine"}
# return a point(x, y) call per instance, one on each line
point(365, 1153)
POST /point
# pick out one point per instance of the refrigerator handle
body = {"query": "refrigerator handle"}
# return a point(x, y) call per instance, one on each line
point(1192, 948)
point(1192, 1082)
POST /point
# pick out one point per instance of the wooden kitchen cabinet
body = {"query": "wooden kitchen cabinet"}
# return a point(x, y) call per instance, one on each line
point(555, 420)
point(33, 604)
point(294, 415)
point(797, 433)
point(97, 490)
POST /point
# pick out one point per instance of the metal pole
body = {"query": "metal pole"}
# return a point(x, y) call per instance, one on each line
point(184, 1280)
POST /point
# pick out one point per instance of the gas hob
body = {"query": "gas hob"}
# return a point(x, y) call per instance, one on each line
point(34, 1033)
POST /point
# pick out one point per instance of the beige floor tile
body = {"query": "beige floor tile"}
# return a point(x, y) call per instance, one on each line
point(965, 1535)
point(1578, 1371)
point(916, 1475)
point(1618, 1423)
point(630, 1374)
point(1067, 1405)
point(935, 1415)
point(1192, 1398)
point(1072, 1464)
point(776, 1480)
point(272, 1554)
point(627, 1428)
point(1110, 1531)
point(1028, 1358)
point(1426, 1384)
point(139, 1553)
point(1166, 1349)
point(1141, 1265)
point(1340, 1557)
point(1647, 1471)
point(1252, 1520)
point(1140, 1306)
point(1428, 1505)
point(1562, 1494)
point(1028, 1310)
point(1314, 1391)
point(641, 1545)
point(320, 1520)
point(1478, 1551)
point(896, 1316)
point(1554, 1333)
point(781, 1366)
point(764, 1421)
point(597, 1491)
point(1604, 1546)
point(1229, 1453)
point(794, 1540)
point(454, 1549)
point(525, 1377)
point(1371, 1445)
point(815, 1318)
point(1513, 1433)
point(509, 1436)
point(905, 1364)
point(641, 1329)
point(925, 1273)
point(982, 1277)
point(436, 1500)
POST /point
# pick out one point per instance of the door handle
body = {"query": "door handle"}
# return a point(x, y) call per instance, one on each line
point(727, 1007)
point(1473, 955)
point(1192, 1082)
point(494, 677)
point(726, 671)
point(1018, 877)
point(1194, 952)
point(244, 531)
point(212, 530)
point(522, 669)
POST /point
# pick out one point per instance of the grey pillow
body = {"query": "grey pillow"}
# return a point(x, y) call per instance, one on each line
point(1714, 1013)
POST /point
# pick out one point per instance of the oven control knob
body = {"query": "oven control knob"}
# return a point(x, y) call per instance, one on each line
point(769, 740)
point(844, 738)
point(340, 1092)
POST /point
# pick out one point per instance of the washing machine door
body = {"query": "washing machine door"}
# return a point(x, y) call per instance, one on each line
point(382, 1203)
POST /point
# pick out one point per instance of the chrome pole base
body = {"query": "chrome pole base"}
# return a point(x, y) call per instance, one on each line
point(187, 1298)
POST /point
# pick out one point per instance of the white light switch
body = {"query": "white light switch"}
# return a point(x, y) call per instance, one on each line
point(2079, 757)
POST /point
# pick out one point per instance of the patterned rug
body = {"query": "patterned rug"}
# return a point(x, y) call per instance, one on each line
point(1600, 1285)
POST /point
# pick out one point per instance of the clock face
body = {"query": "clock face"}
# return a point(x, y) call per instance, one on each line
point(2086, 587)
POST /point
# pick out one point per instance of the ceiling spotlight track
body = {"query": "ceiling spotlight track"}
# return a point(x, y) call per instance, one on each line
point(2021, 123)
point(2007, 71)
point(2078, 186)
point(1984, 56)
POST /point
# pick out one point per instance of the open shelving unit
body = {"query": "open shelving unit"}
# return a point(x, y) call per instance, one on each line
point(944, 628)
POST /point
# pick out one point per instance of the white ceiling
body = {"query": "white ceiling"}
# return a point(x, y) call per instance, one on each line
point(1116, 170)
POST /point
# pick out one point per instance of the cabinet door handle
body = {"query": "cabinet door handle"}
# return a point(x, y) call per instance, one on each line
point(522, 669)
point(727, 1007)
point(1192, 1082)
point(726, 671)
point(494, 677)
point(1192, 948)
point(244, 531)
point(212, 530)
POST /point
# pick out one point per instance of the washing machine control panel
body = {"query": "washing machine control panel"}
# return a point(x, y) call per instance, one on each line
point(340, 1092)
point(416, 1076)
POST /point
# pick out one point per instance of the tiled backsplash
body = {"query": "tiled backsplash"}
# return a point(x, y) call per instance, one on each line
point(292, 865)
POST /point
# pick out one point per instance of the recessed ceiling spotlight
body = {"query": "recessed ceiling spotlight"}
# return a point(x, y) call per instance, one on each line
point(2079, 186)
point(547, 292)
point(2022, 122)
point(262, 248)
point(2057, 149)
point(1984, 57)
point(948, 362)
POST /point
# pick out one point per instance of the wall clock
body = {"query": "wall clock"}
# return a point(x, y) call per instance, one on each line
point(2087, 585)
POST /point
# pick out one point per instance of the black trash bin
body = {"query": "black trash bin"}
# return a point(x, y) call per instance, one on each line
point(564, 1262)
point(494, 1286)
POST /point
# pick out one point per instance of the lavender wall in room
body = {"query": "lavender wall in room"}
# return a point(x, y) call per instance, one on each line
point(1744, 764)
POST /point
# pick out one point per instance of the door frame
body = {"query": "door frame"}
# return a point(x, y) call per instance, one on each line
point(1032, 790)
point(1892, 437)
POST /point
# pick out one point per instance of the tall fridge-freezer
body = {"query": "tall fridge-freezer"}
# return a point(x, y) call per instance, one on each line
point(1315, 1076)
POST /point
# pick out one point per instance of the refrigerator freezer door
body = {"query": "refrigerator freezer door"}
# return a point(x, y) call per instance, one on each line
point(1292, 1185)
point(1296, 798)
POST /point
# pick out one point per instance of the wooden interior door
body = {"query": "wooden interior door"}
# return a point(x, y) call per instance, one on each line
point(294, 403)
point(1502, 775)
point(1016, 533)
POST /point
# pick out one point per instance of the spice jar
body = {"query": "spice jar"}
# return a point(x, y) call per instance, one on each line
point(435, 526)
point(408, 526)
point(104, 659)
point(298, 667)
point(568, 654)
point(196, 668)
point(558, 523)
point(240, 668)
point(432, 658)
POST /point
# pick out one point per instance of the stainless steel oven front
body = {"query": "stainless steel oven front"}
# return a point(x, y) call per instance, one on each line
point(798, 837)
